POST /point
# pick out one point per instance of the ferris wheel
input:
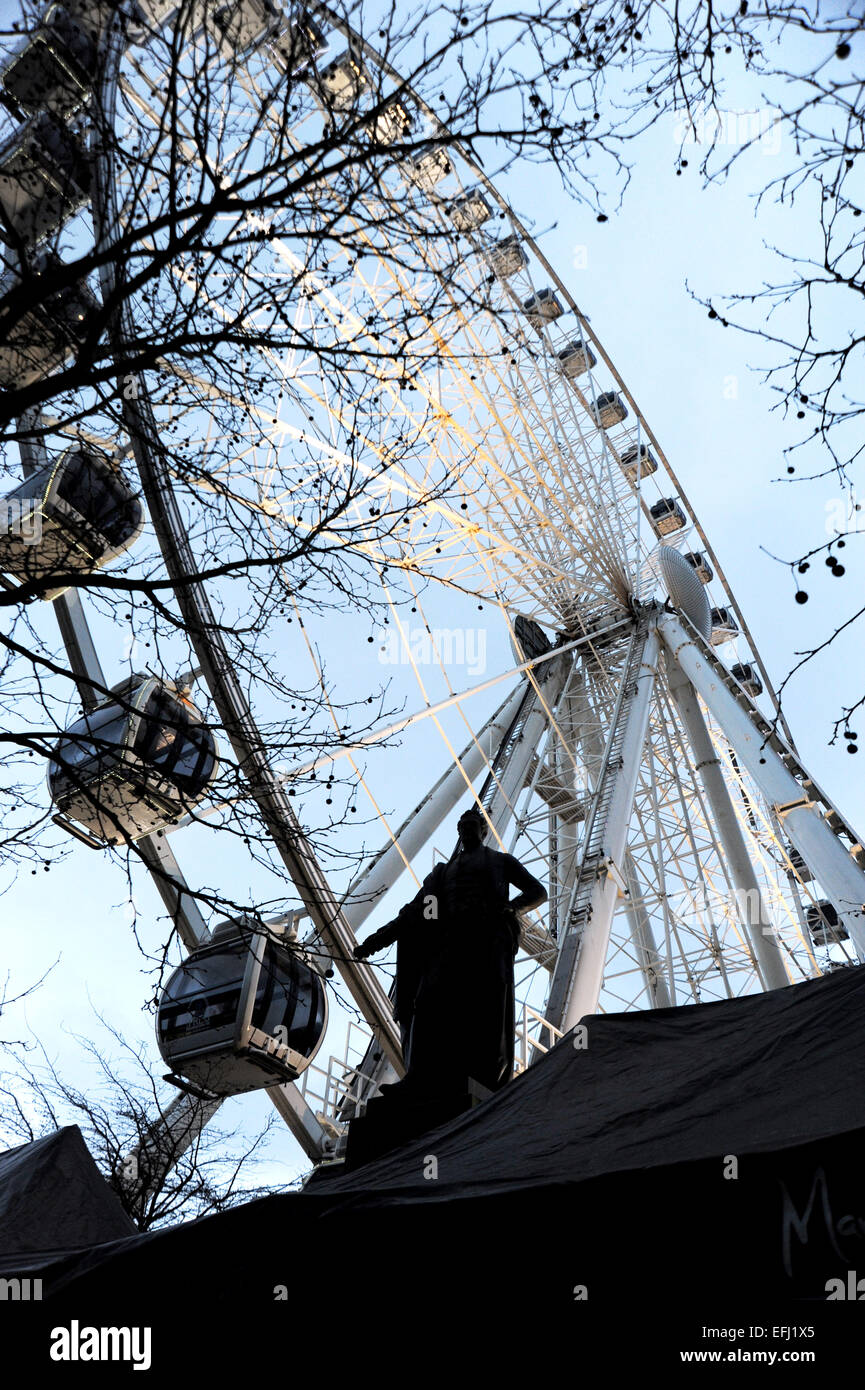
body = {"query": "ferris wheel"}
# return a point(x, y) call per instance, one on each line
point(610, 713)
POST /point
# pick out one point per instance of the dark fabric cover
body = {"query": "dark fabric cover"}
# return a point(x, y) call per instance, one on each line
point(53, 1198)
point(656, 1087)
point(606, 1166)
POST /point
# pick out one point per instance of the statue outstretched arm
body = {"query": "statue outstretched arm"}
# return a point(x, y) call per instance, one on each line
point(385, 936)
point(407, 917)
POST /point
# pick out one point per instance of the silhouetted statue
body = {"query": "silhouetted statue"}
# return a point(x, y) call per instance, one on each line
point(456, 942)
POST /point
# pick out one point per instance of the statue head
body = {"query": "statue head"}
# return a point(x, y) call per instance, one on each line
point(472, 828)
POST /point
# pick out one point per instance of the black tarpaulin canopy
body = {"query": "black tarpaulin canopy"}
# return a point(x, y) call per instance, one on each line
point(608, 1158)
point(53, 1198)
point(660, 1086)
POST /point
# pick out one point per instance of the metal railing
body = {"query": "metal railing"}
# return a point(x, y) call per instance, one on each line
point(325, 1087)
point(527, 1044)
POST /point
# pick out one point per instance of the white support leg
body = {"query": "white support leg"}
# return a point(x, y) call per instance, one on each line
point(584, 734)
point(145, 1168)
point(574, 720)
point(588, 972)
point(758, 923)
point(842, 881)
point(293, 1109)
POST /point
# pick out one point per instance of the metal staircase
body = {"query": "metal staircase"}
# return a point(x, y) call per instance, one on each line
point(560, 798)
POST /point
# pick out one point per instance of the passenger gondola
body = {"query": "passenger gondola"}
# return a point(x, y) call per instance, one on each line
point(610, 409)
point(469, 210)
point(577, 359)
point(54, 67)
point(392, 123)
point(133, 765)
point(78, 513)
point(506, 256)
point(724, 627)
point(297, 46)
point(824, 923)
point(747, 676)
point(542, 308)
point(44, 179)
point(667, 516)
point(37, 341)
point(340, 85)
point(245, 1011)
point(427, 169)
point(701, 565)
point(245, 24)
point(638, 460)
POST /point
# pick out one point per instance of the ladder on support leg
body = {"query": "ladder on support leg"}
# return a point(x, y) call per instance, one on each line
point(594, 859)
